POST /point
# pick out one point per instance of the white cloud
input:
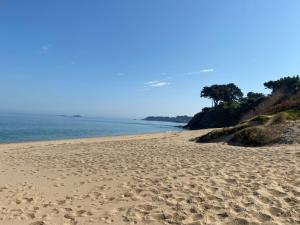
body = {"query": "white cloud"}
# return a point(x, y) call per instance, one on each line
point(120, 74)
point(207, 70)
point(201, 71)
point(159, 84)
point(46, 48)
point(151, 82)
point(156, 83)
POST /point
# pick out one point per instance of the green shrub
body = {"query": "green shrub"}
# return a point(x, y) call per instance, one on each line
point(282, 117)
point(221, 133)
point(278, 118)
point(262, 119)
point(254, 132)
point(293, 114)
point(223, 115)
point(252, 136)
point(213, 135)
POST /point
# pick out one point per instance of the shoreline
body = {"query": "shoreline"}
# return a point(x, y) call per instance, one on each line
point(147, 135)
point(93, 137)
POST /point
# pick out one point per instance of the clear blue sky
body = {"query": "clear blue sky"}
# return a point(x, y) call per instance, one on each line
point(133, 58)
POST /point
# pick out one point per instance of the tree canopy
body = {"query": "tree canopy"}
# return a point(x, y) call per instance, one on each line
point(230, 106)
point(254, 95)
point(289, 85)
point(222, 93)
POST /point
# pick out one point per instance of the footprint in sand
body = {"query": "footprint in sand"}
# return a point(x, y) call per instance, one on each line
point(262, 217)
point(239, 221)
point(276, 211)
point(277, 193)
point(37, 223)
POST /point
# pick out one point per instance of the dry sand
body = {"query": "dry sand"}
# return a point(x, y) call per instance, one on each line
point(148, 179)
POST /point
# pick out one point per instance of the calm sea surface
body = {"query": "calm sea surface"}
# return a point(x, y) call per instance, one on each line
point(21, 127)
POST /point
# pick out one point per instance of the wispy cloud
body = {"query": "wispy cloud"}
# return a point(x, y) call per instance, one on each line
point(46, 48)
point(166, 81)
point(156, 83)
point(200, 71)
point(207, 70)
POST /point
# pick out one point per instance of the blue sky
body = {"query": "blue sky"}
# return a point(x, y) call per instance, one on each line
point(133, 58)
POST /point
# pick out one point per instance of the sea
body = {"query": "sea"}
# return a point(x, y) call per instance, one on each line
point(15, 127)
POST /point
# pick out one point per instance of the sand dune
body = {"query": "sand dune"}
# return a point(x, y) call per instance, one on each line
point(148, 179)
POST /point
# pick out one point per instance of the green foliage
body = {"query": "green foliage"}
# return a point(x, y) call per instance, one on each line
point(223, 115)
point(221, 134)
point(222, 93)
point(269, 113)
point(252, 136)
point(293, 114)
point(279, 118)
point(252, 99)
point(254, 96)
point(289, 85)
point(254, 132)
point(230, 107)
point(213, 136)
point(240, 135)
point(282, 117)
point(262, 119)
point(233, 93)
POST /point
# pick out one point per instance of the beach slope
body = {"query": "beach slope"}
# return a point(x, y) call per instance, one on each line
point(148, 179)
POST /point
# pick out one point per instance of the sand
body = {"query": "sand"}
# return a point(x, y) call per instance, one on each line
point(148, 179)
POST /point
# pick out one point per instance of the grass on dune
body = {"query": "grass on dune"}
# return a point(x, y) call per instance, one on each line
point(252, 136)
point(253, 132)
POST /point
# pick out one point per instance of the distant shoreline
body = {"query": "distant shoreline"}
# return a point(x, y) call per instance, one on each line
point(94, 138)
point(74, 116)
point(177, 119)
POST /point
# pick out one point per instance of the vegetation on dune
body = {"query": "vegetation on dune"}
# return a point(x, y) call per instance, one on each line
point(262, 119)
point(221, 134)
point(293, 114)
point(227, 111)
point(257, 131)
point(219, 116)
point(279, 118)
point(253, 136)
point(250, 119)
point(230, 106)
point(282, 117)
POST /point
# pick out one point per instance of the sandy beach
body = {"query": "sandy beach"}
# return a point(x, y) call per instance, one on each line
point(148, 179)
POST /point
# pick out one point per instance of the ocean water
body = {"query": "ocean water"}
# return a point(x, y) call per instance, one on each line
point(23, 127)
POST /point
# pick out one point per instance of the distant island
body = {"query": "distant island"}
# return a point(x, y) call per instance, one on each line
point(62, 115)
point(177, 119)
point(76, 116)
